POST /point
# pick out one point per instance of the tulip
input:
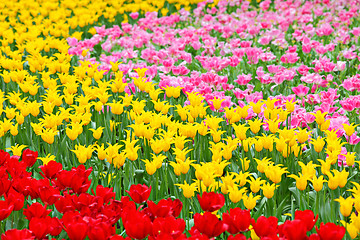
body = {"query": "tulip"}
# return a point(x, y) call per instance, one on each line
point(36, 210)
point(250, 201)
point(40, 226)
point(14, 234)
point(318, 144)
point(209, 224)
point(51, 169)
point(188, 189)
point(265, 227)
point(237, 237)
point(137, 224)
point(4, 157)
point(238, 220)
point(100, 230)
point(307, 217)
point(106, 193)
point(301, 181)
point(346, 205)
point(6, 209)
point(319, 117)
point(349, 128)
point(211, 201)
point(330, 231)
point(29, 157)
point(139, 193)
point(77, 230)
point(15, 198)
point(293, 230)
point(5, 182)
point(169, 225)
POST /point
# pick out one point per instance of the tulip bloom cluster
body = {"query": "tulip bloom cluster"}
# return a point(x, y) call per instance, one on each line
point(95, 216)
point(246, 110)
point(58, 203)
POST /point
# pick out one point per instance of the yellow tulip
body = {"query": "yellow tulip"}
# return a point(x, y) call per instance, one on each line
point(301, 181)
point(319, 117)
point(255, 125)
point(97, 132)
point(240, 131)
point(346, 205)
point(150, 167)
point(255, 184)
point(318, 144)
point(318, 183)
point(17, 149)
point(257, 106)
point(268, 190)
point(250, 201)
point(236, 194)
point(188, 189)
point(47, 159)
point(302, 135)
point(349, 129)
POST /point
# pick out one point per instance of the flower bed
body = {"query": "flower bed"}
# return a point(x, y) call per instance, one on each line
point(226, 120)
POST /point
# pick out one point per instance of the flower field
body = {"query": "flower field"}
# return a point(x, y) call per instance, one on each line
point(180, 120)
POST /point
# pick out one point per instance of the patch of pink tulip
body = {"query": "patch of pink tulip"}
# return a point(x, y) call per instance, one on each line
point(234, 52)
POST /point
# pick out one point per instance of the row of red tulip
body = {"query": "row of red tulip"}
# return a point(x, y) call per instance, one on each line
point(60, 203)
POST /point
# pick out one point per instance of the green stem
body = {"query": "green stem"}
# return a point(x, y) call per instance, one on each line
point(317, 203)
point(332, 206)
point(1, 228)
point(156, 185)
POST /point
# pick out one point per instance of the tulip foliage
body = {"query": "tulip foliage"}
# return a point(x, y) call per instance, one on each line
point(216, 119)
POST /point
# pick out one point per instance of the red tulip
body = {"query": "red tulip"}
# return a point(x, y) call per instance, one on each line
point(314, 236)
point(29, 157)
point(75, 225)
point(17, 169)
point(51, 169)
point(100, 230)
point(105, 192)
point(49, 194)
point(236, 237)
point(118, 237)
point(4, 157)
point(40, 226)
point(77, 230)
point(209, 224)
point(119, 206)
point(36, 185)
point(36, 210)
point(166, 236)
point(15, 234)
point(238, 220)
point(55, 226)
point(294, 230)
point(65, 204)
point(77, 179)
point(6, 208)
point(211, 201)
point(265, 227)
point(139, 193)
point(5, 182)
point(164, 208)
point(307, 217)
point(198, 237)
point(330, 231)
point(196, 234)
point(15, 198)
point(137, 224)
point(169, 225)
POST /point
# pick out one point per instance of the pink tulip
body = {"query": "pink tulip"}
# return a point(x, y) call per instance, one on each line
point(300, 90)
